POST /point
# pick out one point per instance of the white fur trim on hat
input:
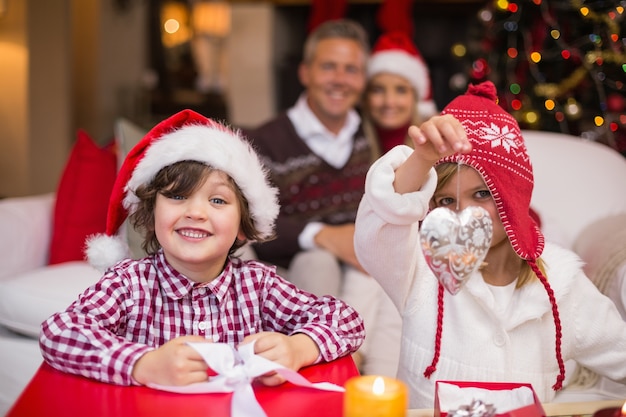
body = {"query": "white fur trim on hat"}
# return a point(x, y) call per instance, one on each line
point(427, 109)
point(401, 63)
point(221, 150)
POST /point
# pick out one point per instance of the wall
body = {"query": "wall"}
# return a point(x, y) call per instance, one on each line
point(64, 64)
point(108, 63)
point(34, 102)
point(250, 94)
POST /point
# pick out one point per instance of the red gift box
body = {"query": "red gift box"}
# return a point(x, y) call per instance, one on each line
point(532, 410)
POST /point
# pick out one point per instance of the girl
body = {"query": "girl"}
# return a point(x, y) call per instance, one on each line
point(528, 309)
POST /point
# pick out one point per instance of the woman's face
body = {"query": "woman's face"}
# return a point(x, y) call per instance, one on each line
point(391, 100)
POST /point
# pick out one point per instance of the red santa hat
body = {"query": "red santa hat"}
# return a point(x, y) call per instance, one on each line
point(395, 53)
point(185, 136)
point(500, 156)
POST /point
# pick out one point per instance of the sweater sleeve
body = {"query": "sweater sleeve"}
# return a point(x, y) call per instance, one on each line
point(82, 340)
point(387, 227)
point(276, 141)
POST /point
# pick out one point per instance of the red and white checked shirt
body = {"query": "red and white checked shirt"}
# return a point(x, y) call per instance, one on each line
point(138, 305)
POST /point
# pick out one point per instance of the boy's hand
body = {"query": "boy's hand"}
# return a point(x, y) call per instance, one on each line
point(174, 363)
point(293, 352)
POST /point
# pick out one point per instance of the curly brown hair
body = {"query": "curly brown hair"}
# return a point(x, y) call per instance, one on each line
point(183, 178)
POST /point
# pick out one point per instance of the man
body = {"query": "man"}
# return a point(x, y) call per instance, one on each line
point(318, 157)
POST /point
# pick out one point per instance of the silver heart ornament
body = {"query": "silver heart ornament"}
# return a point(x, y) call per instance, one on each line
point(455, 245)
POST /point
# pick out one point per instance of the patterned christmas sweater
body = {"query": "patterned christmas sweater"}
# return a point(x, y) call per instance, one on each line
point(310, 190)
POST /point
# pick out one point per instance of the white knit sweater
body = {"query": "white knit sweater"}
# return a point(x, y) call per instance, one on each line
point(477, 344)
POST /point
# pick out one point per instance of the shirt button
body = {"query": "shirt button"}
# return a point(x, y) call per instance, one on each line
point(499, 339)
point(332, 349)
point(203, 325)
point(202, 290)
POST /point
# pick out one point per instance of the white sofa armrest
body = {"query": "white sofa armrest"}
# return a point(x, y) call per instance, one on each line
point(577, 183)
point(25, 233)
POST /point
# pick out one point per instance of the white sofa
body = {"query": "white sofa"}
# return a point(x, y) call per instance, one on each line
point(578, 185)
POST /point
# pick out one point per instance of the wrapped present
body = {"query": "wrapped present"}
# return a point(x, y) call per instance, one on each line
point(486, 399)
point(234, 370)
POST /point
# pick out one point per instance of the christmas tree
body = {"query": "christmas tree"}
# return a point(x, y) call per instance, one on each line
point(559, 65)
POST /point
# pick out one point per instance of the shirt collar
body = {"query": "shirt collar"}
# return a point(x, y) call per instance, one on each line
point(308, 126)
point(176, 285)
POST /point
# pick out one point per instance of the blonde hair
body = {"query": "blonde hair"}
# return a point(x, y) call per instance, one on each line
point(445, 172)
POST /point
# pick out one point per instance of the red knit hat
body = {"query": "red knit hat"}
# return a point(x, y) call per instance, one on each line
point(499, 155)
point(395, 53)
point(185, 136)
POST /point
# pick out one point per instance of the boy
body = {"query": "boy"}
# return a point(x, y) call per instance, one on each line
point(198, 192)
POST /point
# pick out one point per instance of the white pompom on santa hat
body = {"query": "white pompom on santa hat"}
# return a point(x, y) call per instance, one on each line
point(185, 136)
point(395, 53)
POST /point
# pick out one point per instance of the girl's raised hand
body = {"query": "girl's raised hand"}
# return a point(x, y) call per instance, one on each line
point(438, 137)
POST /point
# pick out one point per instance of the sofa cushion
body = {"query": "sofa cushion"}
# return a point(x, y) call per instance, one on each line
point(602, 245)
point(25, 224)
point(82, 198)
point(561, 162)
point(30, 298)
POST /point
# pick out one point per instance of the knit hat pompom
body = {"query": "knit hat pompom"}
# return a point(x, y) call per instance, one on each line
point(185, 136)
point(486, 90)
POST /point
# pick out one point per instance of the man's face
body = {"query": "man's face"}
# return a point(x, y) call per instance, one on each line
point(334, 79)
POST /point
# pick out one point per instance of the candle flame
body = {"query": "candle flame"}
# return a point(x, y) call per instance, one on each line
point(379, 385)
point(624, 410)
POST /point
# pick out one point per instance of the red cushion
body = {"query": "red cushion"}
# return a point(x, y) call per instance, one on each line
point(82, 198)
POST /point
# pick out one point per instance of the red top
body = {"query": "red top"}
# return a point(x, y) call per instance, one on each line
point(391, 137)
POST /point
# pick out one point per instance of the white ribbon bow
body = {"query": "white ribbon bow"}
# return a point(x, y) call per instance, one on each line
point(236, 369)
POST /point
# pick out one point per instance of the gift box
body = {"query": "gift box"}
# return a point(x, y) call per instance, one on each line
point(531, 409)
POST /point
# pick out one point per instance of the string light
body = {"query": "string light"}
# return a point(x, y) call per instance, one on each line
point(535, 56)
point(502, 5)
point(598, 120)
point(551, 59)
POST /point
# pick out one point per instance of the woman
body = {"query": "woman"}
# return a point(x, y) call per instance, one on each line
point(398, 92)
